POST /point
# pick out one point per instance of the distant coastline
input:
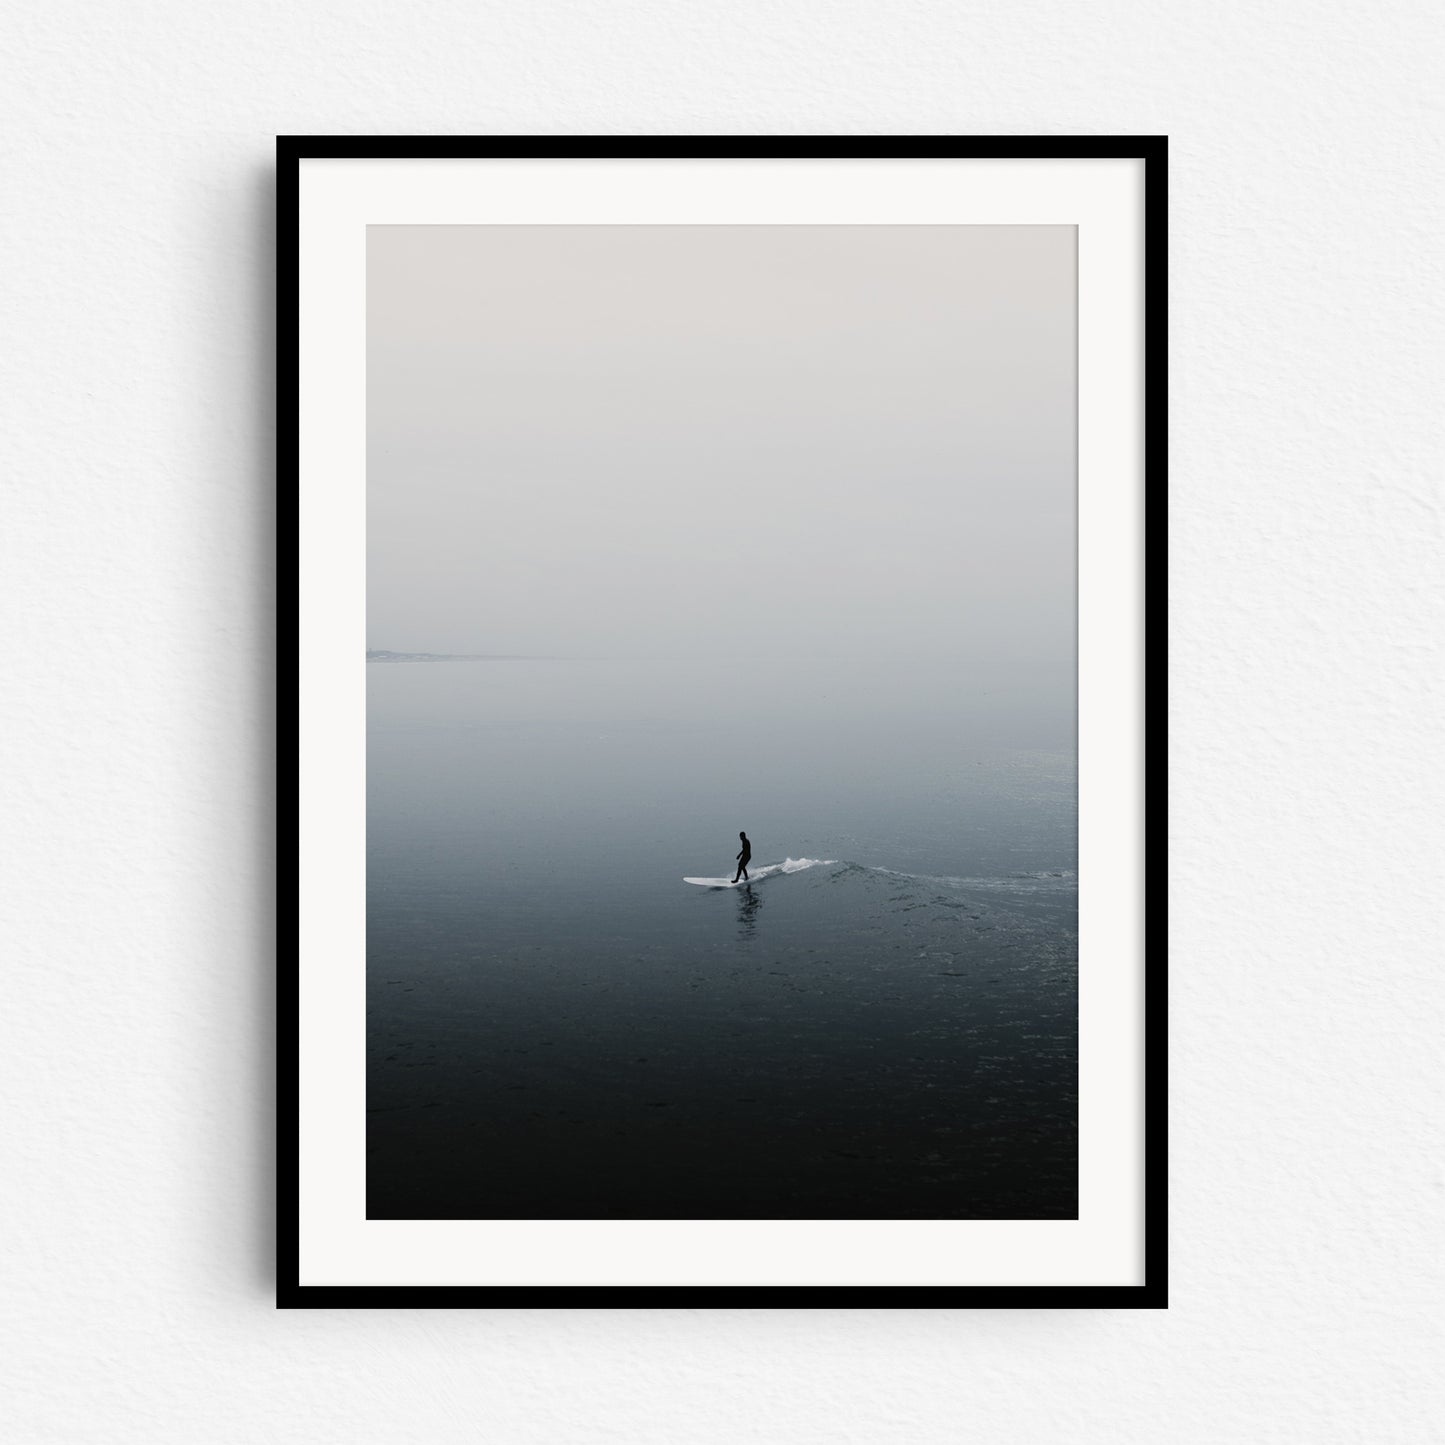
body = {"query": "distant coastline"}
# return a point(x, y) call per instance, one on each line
point(382, 656)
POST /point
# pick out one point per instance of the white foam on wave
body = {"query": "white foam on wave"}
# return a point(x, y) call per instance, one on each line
point(788, 865)
point(796, 865)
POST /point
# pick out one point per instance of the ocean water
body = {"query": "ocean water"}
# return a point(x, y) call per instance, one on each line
point(882, 1025)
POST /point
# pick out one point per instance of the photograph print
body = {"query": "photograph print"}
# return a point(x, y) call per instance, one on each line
point(721, 832)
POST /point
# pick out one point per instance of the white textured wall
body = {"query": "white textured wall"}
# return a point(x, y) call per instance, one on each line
point(135, 1058)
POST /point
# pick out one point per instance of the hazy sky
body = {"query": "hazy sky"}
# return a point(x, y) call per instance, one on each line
point(650, 440)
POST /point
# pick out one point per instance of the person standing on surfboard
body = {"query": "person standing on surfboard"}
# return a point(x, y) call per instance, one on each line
point(743, 856)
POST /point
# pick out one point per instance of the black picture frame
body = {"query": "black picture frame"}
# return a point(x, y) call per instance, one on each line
point(1152, 151)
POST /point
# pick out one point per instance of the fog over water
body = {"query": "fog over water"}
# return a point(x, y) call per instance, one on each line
point(645, 441)
point(777, 527)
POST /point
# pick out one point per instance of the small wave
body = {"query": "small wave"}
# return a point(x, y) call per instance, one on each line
point(1062, 879)
point(768, 870)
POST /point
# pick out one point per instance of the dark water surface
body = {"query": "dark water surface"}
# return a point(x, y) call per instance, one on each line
point(559, 1027)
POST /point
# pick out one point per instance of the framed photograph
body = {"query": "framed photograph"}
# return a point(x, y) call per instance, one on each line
point(717, 581)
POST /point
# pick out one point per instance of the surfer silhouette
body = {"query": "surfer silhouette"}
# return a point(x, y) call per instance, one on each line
point(743, 856)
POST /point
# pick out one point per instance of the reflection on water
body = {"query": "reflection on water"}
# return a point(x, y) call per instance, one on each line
point(748, 905)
